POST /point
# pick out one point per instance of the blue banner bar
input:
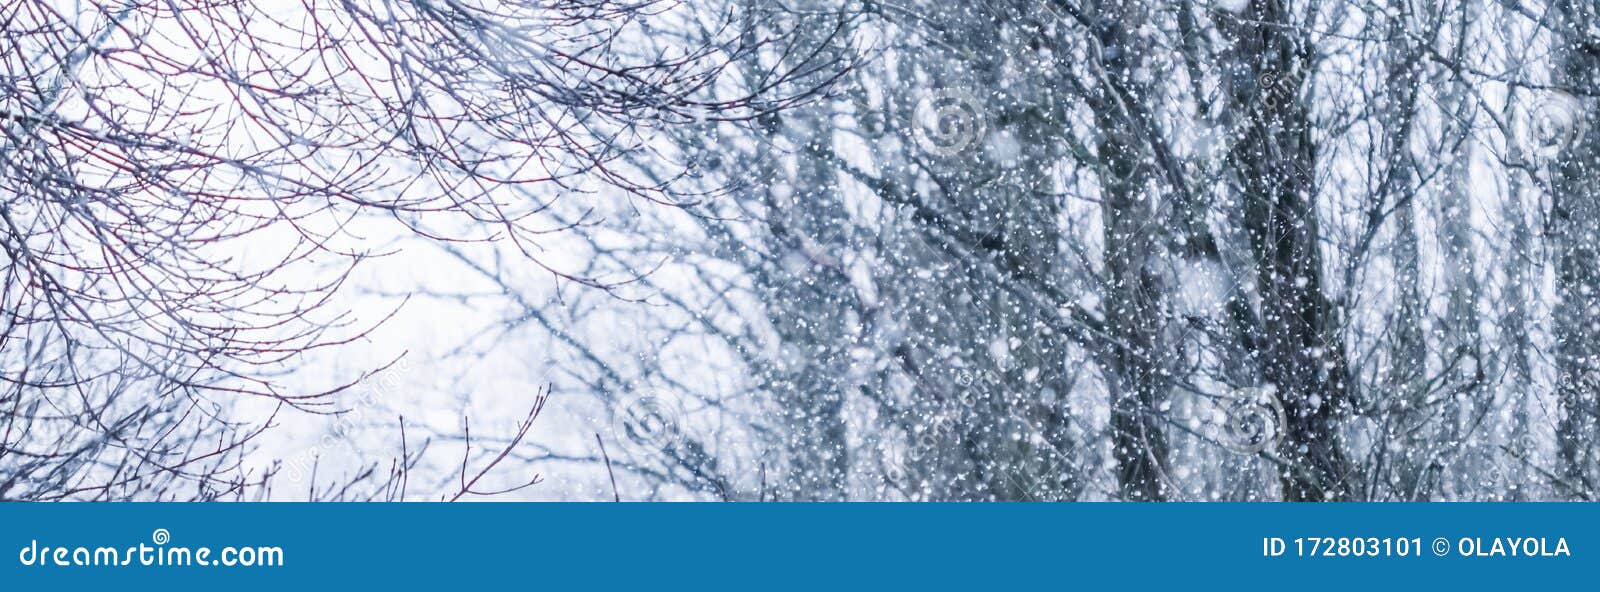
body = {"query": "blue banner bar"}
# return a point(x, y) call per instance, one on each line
point(795, 546)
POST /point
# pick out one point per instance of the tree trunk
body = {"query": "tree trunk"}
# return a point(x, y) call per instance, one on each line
point(1575, 239)
point(1131, 284)
point(1273, 166)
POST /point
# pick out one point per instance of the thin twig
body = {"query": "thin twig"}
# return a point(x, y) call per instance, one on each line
point(616, 497)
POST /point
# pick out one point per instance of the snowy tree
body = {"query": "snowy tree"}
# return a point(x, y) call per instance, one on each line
point(830, 249)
